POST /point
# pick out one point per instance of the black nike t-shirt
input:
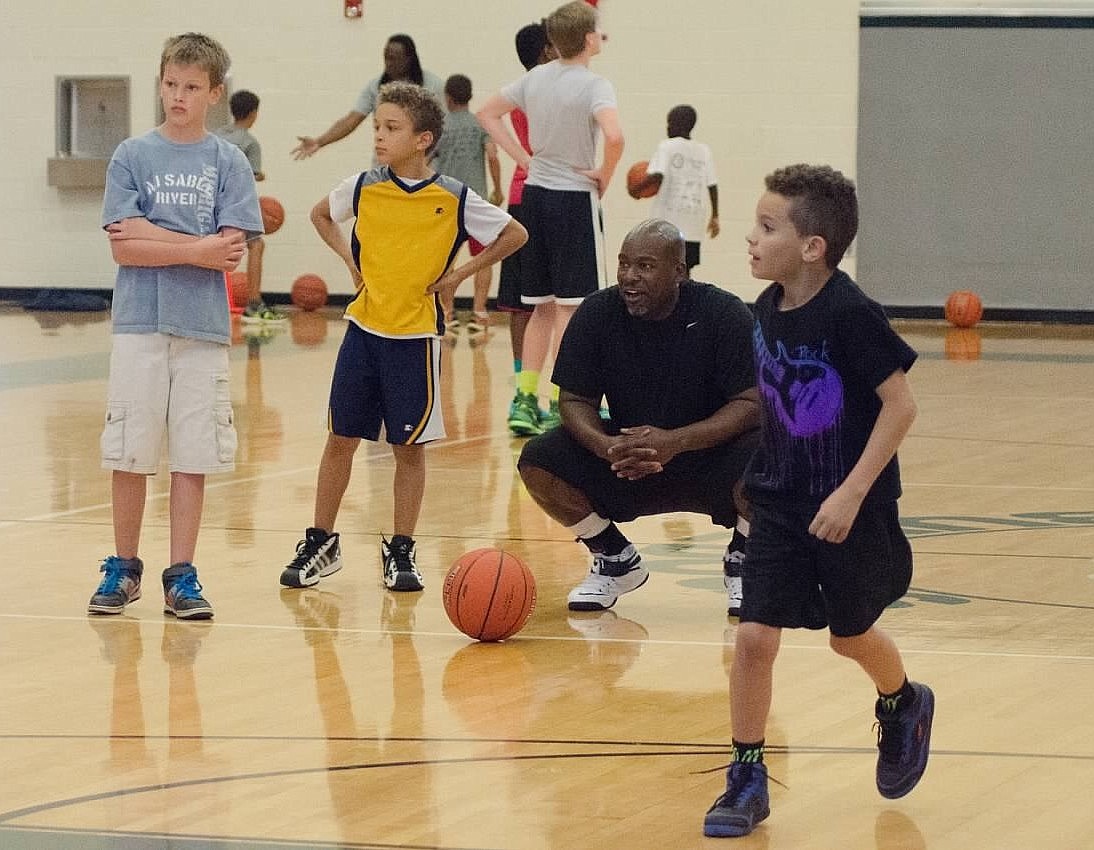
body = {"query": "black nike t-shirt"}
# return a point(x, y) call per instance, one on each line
point(667, 373)
point(818, 368)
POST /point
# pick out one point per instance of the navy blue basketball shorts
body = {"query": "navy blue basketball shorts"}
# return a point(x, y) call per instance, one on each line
point(386, 381)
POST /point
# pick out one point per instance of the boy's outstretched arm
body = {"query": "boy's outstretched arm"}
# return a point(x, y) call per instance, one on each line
point(331, 232)
point(490, 116)
point(512, 236)
point(898, 410)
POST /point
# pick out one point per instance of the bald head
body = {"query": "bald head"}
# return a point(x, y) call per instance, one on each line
point(661, 236)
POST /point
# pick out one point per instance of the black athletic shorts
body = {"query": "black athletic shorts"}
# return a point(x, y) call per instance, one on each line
point(791, 579)
point(563, 259)
point(691, 254)
point(699, 482)
point(508, 299)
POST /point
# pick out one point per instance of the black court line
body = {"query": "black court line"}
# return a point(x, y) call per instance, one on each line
point(54, 805)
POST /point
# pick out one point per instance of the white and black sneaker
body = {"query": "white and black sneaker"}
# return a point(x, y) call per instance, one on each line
point(731, 575)
point(318, 555)
point(610, 577)
point(400, 570)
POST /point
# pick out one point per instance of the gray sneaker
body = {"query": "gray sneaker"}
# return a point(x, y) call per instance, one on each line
point(120, 585)
point(182, 593)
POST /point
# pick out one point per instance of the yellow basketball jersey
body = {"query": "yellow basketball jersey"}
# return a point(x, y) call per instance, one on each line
point(404, 238)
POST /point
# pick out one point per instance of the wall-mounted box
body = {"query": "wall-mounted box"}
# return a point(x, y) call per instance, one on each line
point(92, 119)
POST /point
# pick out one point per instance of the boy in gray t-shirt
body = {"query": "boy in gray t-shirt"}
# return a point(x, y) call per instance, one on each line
point(178, 205)
point(568, 107)
point(460, 154)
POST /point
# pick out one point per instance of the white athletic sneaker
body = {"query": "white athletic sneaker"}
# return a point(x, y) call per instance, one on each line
point(731, 574)
point(609, 578)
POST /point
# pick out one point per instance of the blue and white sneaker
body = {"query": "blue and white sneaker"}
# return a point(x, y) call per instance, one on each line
point(120, 585)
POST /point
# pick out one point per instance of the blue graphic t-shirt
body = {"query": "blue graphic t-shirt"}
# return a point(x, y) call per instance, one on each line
point(195, 188)
point(818, 367)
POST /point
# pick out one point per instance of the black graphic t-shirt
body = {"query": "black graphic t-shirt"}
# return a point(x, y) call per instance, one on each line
point(818, 367)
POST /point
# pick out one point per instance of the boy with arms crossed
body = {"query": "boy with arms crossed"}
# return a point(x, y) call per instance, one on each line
point(179, 203)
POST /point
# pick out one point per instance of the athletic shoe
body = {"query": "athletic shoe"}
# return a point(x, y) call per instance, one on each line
point(182, 593)
point(262, 315)
point(731, 574)
point(120, 585)
point(524, 415)
point(903, 743)
point(744, 804)
point(550, 418)
point(317, 556)
point(400, 571)
point(610, 577)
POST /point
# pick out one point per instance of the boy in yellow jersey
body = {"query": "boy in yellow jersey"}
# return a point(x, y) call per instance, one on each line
point(408, 224)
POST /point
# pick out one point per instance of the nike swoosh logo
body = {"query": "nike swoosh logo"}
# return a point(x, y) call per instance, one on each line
point(690, 325)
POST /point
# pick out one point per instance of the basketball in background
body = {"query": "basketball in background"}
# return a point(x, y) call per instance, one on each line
point(309, 292)
point(635, 175)
point(489, 594)
point(963, 308)
point(273, 214)
point(239, 290)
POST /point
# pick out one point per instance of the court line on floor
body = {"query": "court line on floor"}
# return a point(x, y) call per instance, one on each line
point(1036, 656)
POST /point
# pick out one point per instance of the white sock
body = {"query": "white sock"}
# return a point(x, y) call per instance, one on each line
point(591, 526)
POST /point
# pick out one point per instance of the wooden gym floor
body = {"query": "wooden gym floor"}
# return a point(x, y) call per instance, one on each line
point(345, 716)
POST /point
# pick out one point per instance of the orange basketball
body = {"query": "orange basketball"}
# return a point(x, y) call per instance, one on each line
point(963, 308)
point(273, 214)
point(309, 292)
point(635, 175)
point(237, 285)
point(489, 594)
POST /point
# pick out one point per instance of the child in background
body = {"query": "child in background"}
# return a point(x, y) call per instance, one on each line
point(460, 154)
point(244, 106)
point(682, 171)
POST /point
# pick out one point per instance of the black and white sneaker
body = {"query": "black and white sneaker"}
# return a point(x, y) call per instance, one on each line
point(318, 555)
point(610, 577)
point(731, 574)
point(400, 570)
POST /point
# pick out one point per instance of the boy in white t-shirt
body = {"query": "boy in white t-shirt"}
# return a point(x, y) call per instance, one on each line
point(681, 169)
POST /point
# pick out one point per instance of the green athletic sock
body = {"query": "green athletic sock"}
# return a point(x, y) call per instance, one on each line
point(516, 365)
point(528, 382)
point(748, 753)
